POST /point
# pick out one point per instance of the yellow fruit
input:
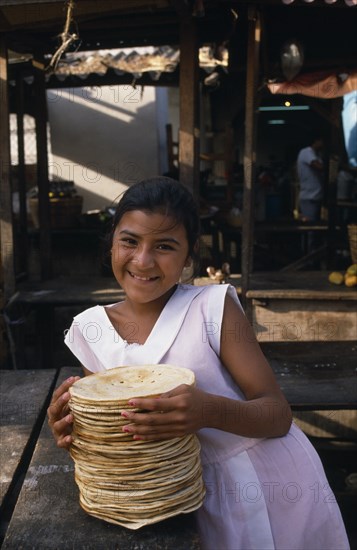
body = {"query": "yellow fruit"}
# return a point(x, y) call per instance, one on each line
point(336, 278)
point(351, 280)
point(352, 270)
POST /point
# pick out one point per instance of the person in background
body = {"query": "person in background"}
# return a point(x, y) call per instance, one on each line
point(310, 170)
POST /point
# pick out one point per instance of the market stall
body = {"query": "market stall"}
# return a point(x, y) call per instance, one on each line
point(258, 34)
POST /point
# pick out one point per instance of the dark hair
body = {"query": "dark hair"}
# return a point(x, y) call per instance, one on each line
point(316, 136)
point(167, 196)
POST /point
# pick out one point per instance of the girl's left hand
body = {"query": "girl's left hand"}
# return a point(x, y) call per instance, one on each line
point(174, 414)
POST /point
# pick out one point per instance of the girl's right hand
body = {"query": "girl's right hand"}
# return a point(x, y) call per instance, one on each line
point(60, 419)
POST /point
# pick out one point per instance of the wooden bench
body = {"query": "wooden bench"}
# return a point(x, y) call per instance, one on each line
point(44, 298)
point(315, 375)
point(319, 379)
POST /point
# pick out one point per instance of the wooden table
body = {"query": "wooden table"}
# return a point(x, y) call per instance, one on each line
point(47, 512)
point(24, 397)
point(301, 306)
point(40, 502)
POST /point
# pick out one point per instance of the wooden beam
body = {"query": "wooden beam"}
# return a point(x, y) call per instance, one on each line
point(21, 172)
point(249, 160)
point(172, 147)
point(113, 79)
point(189, 107)
point(42, 168)
point(333, 167)
point(6, 227)
point(181, 7)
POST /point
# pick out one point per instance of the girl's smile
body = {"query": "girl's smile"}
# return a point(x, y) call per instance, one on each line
point(149, 253)
point(142, 278)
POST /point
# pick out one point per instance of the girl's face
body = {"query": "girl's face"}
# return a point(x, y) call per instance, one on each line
point(148, 254)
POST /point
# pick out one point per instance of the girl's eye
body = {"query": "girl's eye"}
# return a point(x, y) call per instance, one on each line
point(128, 242)
point(165, 247)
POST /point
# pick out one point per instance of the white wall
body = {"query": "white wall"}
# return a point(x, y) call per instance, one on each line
point(103, 138)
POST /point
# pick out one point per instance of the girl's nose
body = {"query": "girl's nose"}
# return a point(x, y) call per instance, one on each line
point(144, 257)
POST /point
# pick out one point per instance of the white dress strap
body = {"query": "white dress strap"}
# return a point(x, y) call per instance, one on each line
point(215, 307)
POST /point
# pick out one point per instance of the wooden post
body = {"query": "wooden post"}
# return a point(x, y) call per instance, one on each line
point(6, 227)
point(189, 105)
point(171, 146)
point(249, 160)
point(42, 168)
point(333, 166)
point(21, 171)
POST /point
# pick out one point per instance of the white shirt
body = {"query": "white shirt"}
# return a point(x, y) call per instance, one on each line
point(310, 178)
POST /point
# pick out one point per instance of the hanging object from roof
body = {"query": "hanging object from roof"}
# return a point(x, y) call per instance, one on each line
point(349, 3)
point(67, 38)
point(291, 58)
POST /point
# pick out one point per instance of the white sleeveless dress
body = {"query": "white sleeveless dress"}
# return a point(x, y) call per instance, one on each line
point(261, 493)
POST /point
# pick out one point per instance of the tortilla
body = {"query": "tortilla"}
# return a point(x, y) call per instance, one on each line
point(123, 383)
point(123, 481)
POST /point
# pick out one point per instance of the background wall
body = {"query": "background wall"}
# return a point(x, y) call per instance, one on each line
point(103, 139)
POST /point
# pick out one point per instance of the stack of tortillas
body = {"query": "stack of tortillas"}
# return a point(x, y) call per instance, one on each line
point(123, 481)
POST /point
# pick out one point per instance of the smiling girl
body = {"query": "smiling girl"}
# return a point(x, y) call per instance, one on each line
point(260, 471)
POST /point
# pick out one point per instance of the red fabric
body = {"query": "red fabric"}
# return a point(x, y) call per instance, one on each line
point(323, 84)
point(349, 3)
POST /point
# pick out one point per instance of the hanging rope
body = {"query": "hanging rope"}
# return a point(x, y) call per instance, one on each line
point(66, 37)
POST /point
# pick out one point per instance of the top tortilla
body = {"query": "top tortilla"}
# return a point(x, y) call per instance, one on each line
point(123, 383)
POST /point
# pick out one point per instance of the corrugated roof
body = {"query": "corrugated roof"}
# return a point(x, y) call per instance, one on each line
point(134, 61)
